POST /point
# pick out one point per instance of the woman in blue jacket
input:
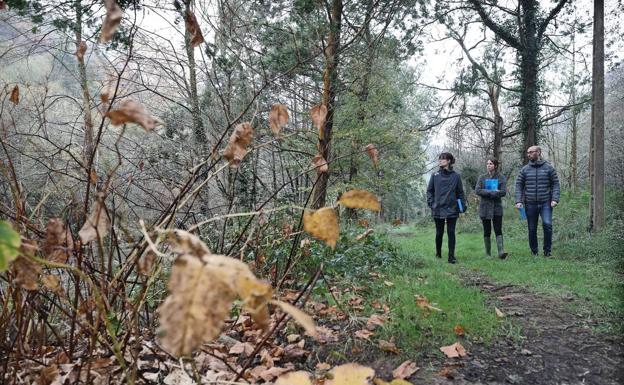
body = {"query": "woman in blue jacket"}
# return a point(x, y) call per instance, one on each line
point(444, 192)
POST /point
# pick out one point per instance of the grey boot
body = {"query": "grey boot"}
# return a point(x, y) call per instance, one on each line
point(487, 241)
point(501, 249)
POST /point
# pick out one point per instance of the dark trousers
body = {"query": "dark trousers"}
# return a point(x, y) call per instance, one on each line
point(450, 231)
point(533, 211)
point(497, 220)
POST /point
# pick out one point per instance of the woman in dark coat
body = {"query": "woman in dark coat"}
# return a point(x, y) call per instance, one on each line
point(443, 192)
point(491, 187)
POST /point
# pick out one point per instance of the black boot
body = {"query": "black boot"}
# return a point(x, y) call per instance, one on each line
point(487, 241)
point(501, 249)
point(451, 259)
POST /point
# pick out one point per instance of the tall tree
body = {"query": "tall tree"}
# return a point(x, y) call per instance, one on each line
point(526, 35)
point(597, 173)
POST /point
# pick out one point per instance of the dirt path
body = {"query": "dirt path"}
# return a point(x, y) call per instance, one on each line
point(557, 345)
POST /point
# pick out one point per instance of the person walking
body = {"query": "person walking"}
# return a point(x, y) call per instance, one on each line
point(445, 197)
point(537, 189)
point(491, 187)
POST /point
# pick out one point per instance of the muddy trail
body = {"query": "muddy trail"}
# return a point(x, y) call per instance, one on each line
point(557, 345)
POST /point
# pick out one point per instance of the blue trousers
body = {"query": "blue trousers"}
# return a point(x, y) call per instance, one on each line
point(533, 211)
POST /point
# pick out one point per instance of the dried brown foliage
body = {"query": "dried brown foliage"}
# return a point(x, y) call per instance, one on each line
point(278, 117)
point(320, 163)
point(130, 111)
point(192, 27)
point(81, 50)
point(111, 20)
point(236, 148)
point(360, 199)
point(373, 153)
point(26, 273)
point(58, 242)
point(322, 224)
point(319, 114)
point(14, 98)
point(97, 224)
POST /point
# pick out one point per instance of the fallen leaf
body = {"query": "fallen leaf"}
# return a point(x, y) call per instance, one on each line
point(269, 374)
point(318, 114)
point(178, 377)
point(97, 224)
point(350, 374)
point(371, 149)
point(388, 283)
point(244, 348)
point(130, 111)
point(374, 321)
point(236, 148)
point(111, 20)
point(322, 224)
point(294, 378)
point(405, 370)
point(499, 313)
point(14, 98)
point(423, 303)
point(364, 235)
point(388, 346)
point(453, 351)
point(446, 372)
point(192, 27)
point(292, 338)
point(47, 375)
point(396, 381)
point(81, 50)
point(360, 199)
point(278, 118)
point(320, 164)
point(302, 318)
point(364, 334)
point(459, 330)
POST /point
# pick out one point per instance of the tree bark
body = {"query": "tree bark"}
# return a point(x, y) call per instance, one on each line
point(84, 85)
point(330, 80)
point(198, 126)
point(597, 219)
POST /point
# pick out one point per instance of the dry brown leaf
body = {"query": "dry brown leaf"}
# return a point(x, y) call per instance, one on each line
point(423, 303)
point(364, 235)
point(302, 318)
point(130, 111)
point(192, 27)
point(56, 246)
point(320, 164)
point(48, 375)
point(294, 378)
point(453, 351)
point(81, 50)
point(350, 374)
point(360, 199)
point(278, 118)
point(194, 311)
point(364, 334)
point(236, 148)
point(146, 263)
point(269, 374)
point(256, 295)
point(499, 313)
point(244, 348)
point(52, 283)
point(26, 273)
point(388, 346)
point(322, 366)
point(374, 321)
point(183, 242)
point(459, 330)
point(318, 114)
point(405, 370)
point(373, 153)
point(111, 20)
point(97, 224)
point(14, 98)
point(389, 283)
point(322, 224)
point(396, 381)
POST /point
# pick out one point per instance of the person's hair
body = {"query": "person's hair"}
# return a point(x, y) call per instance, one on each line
point(495, 162)
point(448, 156)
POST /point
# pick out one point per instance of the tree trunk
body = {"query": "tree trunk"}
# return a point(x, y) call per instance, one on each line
point(529, 110)
point(84, 85)
point(198, 126)
point(330, 79)
point(574, 128)
point(497, 148)
point(597, 219)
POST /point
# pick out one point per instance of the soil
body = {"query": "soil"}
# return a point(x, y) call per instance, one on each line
point(556, 345)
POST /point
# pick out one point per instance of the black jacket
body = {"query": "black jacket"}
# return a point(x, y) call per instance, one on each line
point(445, 187)
point(537, 182)
point(491, 204)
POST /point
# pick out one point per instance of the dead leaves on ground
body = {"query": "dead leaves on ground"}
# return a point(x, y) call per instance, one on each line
point(423, 303)
point(111, 20)
point(236, 148)
point(454, 351)
point(405, 370)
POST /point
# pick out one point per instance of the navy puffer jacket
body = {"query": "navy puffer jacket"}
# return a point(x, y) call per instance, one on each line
point(445, 187)
point(537, 182)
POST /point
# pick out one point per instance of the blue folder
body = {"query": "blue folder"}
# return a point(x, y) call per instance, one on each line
point(491, 184)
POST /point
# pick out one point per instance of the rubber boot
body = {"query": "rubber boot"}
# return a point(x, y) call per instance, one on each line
point(451, 259)
point(501, 249)
point(487, 241)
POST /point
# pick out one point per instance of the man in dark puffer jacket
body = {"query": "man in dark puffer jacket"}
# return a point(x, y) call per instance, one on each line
point(537, 188)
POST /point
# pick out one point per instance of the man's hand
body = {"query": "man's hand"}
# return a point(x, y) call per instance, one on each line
point(553, 203)
point(518, 205)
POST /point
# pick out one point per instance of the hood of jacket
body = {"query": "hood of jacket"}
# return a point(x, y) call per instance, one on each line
point(536, 163)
